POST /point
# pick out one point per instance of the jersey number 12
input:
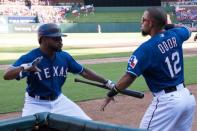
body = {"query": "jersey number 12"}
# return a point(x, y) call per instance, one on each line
point(173, 67)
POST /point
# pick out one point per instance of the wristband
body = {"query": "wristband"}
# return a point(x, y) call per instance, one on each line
point(26, 66)
point(114, 91)
point(21, 74)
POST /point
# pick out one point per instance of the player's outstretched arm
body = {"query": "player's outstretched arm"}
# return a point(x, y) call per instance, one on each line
point(12, 73)
point(16, 72)
point(91, 75)
point(125, 81)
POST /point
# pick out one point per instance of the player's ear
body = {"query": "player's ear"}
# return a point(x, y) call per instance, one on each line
point(151, 24)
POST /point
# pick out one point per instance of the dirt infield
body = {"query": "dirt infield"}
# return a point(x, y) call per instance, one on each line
point(126, 110)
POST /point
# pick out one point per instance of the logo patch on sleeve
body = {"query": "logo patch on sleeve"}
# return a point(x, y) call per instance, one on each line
point(133, 61)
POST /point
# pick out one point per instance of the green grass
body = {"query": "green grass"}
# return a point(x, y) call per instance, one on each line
point(12, 92)
point(16, 49)
point(82, 57)
point(26, 49)
point(190, 70)
point(130, 16)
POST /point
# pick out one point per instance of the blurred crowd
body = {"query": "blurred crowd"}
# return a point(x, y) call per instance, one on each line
point(186, 14)
point(45, 14)
point(22, 2)
point(42, 11)
point(184, 10)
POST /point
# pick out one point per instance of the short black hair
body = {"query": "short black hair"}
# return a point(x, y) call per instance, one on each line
point(158, 15)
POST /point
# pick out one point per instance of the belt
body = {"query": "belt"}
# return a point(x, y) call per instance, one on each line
point(170, 89)
point(49, 98)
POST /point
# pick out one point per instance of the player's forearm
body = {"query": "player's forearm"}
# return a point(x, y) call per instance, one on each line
point(125, 81)
point(12, 73)
point(90, 75)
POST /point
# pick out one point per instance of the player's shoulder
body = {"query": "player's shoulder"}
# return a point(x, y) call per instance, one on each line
point(146, 45)
point(63, 55)
point(143, 49)
point(31, 55)
point(180, 30)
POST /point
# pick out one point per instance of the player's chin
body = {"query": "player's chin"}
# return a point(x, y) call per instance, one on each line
point(144, 33)
point(59, 49)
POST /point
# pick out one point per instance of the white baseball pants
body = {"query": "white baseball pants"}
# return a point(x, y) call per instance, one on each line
point(62, 105)
point(170, 112)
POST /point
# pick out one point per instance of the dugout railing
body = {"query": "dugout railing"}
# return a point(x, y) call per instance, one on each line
point(54, 122)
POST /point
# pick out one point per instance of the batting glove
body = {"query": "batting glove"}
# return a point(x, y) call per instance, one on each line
point(110, 84)
point(34, 64)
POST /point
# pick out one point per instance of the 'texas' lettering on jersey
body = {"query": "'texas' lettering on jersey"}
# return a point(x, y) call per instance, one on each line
point(165, 46)
point(54, 72)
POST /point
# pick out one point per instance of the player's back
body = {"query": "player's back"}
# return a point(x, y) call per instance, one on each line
point(165, 58)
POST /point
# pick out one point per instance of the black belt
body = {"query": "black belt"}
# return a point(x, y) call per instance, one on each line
point(49, 98)
point(171, 89)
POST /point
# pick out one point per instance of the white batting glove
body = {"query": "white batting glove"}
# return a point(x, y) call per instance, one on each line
point(110, 84)
point(34, 64)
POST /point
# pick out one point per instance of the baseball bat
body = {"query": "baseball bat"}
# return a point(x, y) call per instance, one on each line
point(128, 92)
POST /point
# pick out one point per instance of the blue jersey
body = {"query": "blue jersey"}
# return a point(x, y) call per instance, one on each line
point(160, 59)
point(53, 72)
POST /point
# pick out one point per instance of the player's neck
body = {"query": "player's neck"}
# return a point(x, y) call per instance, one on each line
point(155, 31)
point(48, 52)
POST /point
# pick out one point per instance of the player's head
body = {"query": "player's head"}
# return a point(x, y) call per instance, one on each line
point(153, 19)
point(50, 35)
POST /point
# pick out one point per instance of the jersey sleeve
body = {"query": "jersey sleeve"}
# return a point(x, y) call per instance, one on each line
point(74, 67)
point(23, 59)
point(138, 62)
point(183, 32)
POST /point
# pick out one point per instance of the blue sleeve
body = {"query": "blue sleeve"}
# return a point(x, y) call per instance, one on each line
point(138, 62)
point(22, 60)
point(183, 32)
point(74, 67)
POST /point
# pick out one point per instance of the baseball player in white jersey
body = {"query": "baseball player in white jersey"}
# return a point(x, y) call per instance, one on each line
point(46, 69)
point(160, 61)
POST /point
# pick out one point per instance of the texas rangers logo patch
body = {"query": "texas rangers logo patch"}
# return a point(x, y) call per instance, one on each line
point(133, 61)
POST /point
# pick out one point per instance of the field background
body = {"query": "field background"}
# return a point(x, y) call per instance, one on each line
point(106, 53)
point(81, 46)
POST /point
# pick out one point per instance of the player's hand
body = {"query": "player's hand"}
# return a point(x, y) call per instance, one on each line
point(110, 84)
point(195, 37)
point(106, 102)
point(33, 65)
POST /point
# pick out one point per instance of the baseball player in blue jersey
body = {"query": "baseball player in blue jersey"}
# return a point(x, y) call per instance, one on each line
point(160, 61)
point(46, 69)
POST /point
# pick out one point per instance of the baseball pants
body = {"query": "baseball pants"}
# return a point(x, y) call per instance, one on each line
point(170, 112)
point(62, 105)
